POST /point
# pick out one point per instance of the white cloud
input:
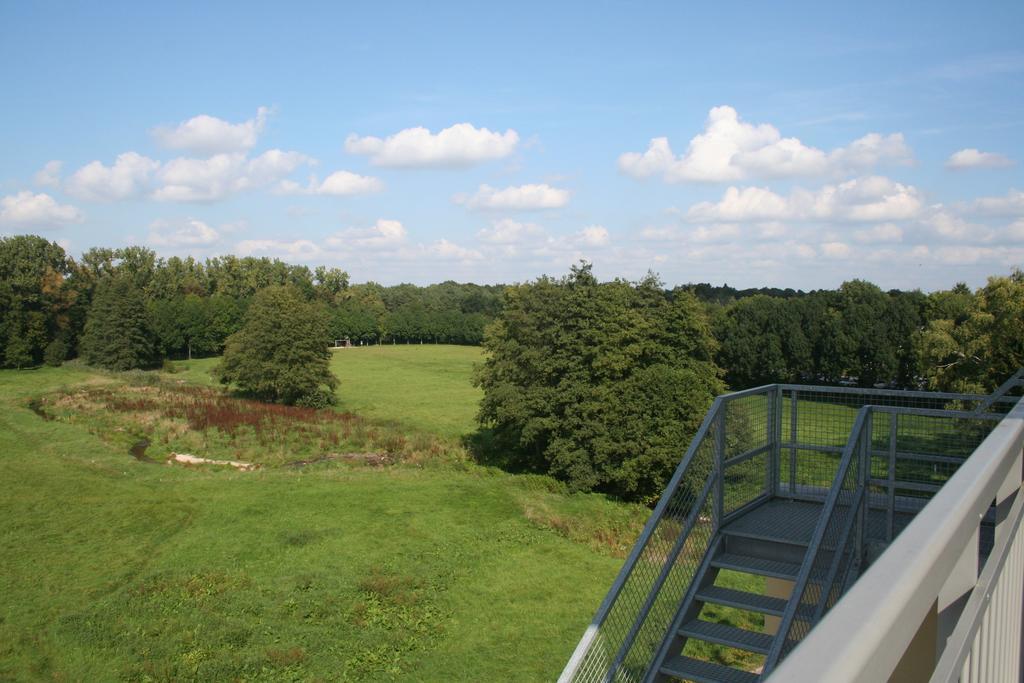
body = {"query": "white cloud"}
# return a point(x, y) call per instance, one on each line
point(445, 250)
point(28, 210)
point(338, 184)
point(748, 203)
point(871, 150)
point(952, 227)
point(972, 158)
point(49, 176)
point(508, 231)
point(381, 235)
point(593, 236)
point(188, 233)
point(715, 233)
point(130, 176)
point(871, 198)
point(296, 249)
point(836, 250)
point(1015, 231)
point(883, 232)
point(521, 198)
point(660, 233)
point(209, 135)
point(800, 250)
point(460, 145)
point(730, 149)
point(203, 180)
point(1010, 205)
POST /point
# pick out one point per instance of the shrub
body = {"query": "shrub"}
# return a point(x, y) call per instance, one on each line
point(56, 352)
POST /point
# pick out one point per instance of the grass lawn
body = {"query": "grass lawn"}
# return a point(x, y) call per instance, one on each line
point(423, 387)
point(115, 569)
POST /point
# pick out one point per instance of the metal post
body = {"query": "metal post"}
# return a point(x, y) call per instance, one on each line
point(774, 401)
point(793, 441)
point(863, 509)
point(890, 507)
point(719, 502)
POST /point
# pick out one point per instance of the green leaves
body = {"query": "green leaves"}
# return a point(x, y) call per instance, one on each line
point(281, 353)
point(599, 384)
point(979, 341)
point(119, 331)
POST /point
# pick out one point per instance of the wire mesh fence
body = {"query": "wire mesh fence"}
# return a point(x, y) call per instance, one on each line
point(723, 471)
point(798, 442)
point(834, 548)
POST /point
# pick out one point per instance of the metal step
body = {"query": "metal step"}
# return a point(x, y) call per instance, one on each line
point(755, 565)
point(699, 671)
point(727, 635)
point(752, 602)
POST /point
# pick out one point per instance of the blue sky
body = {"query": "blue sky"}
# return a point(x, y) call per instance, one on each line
point(788, 145)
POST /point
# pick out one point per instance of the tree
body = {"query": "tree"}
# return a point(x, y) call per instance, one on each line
point(761, 341)
point(601, 385)
point(281, 353)
point(118, 331)
point(35, 298)
point(981, 341)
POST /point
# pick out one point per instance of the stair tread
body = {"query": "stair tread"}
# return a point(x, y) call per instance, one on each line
point(752, 602)
point(724, 634)
point(756, 565)
point(700, 671)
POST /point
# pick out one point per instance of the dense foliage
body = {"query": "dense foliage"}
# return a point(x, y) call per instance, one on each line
point(279, 354)
point(35, 299)
point(599, 384)
point(118, 332)
point(973, 343)
point(856, 334)
point(194, 306)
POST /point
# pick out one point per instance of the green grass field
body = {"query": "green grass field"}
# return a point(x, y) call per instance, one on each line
point(423, 387)
point(116, 569)
point(426, 568)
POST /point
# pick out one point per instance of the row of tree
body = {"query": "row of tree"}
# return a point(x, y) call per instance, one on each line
point(192, 307)
point(954, 340)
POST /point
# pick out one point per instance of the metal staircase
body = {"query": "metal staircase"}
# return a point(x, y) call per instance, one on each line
point(761, 543)
point(802, 486)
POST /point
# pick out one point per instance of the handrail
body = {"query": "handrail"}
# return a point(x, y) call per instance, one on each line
point(895, 393)
point(865, 635)
point(615, 643)
point(719, 478)
point(589, 636)
point(954, 657)
point(801, 585)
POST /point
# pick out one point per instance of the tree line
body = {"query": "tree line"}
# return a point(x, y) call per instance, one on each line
point(603, 385)
point(192, 307)
point(953, 340)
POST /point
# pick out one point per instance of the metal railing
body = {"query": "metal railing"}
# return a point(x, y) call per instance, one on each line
point(835, 548)
point(894, 461)
point(725, 470)
point(922, 600)
point(789, 441)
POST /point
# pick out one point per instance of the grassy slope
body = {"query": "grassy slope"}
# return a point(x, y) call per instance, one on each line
point(115, 569)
